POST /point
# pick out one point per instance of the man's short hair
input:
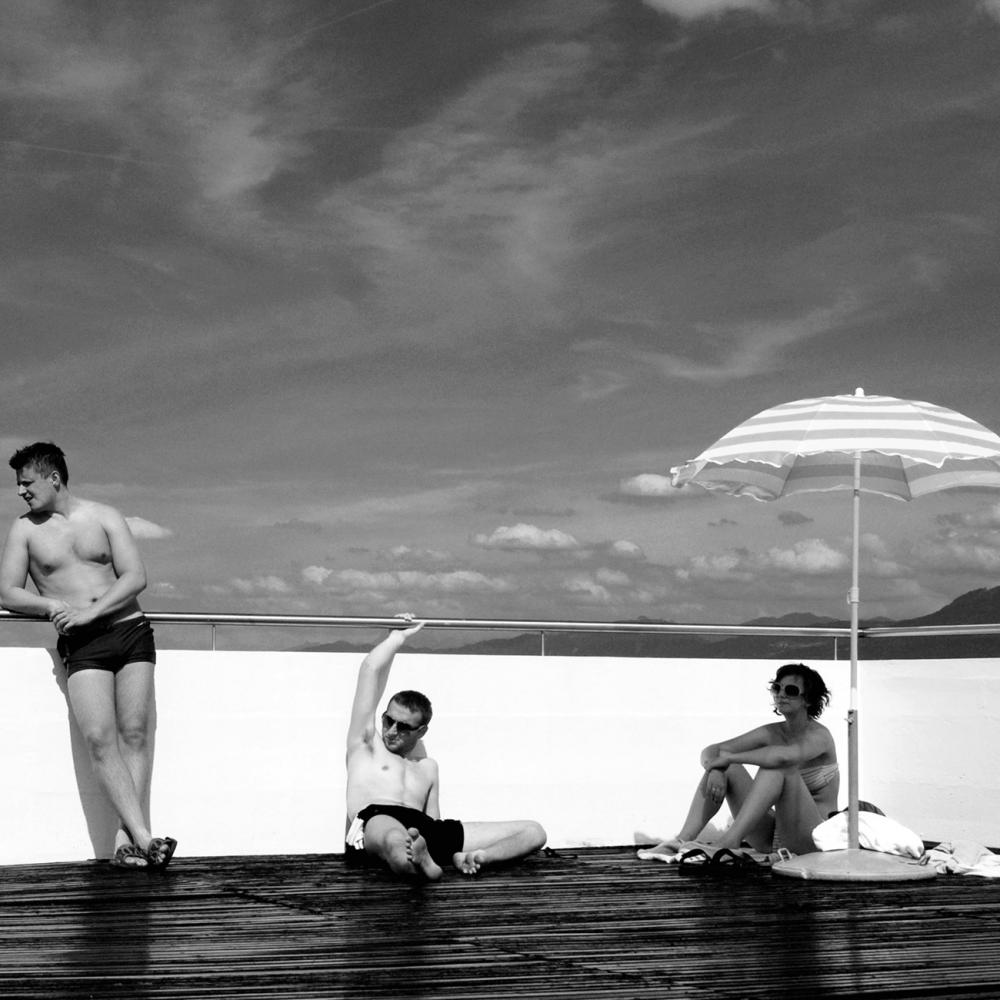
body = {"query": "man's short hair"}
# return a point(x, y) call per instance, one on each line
point(44, 456)
point(414, 701)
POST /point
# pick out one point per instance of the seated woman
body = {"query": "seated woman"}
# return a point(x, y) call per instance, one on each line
point(796, 784)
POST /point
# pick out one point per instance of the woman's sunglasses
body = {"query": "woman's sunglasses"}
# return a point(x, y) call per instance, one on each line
point(789, 690)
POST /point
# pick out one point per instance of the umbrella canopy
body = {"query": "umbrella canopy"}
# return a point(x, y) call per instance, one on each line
point(908, 449)
point(898, 448)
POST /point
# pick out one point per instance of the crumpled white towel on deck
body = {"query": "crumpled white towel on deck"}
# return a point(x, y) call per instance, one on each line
point(875, 832)
point(964, 857)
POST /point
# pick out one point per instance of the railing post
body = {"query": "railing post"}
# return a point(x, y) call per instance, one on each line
point(542, 637)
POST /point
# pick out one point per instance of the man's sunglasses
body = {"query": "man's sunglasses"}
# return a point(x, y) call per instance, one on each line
point(403, 728)
point(789, 690)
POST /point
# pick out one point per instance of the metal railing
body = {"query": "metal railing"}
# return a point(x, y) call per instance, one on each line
point(543, 628)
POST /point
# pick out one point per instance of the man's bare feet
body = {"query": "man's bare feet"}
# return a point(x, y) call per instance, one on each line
point(469, 862)
point(419, 856)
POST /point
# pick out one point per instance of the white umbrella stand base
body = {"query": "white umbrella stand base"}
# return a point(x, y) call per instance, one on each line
point(854, 865)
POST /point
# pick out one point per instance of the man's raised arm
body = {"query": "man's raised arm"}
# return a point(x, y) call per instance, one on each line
point(372, 679)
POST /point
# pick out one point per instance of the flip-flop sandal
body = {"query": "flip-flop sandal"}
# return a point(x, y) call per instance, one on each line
point(726, 857)
point(130, 856)
point(695, 856)
point(733, 860)
point(160, 851)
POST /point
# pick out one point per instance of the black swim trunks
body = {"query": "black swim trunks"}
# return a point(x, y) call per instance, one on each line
point(108, 646)
point(444, 837)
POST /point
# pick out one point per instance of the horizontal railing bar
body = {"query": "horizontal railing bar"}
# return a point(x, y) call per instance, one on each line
point(468, 624)
point(535, 625)
point(885, 631)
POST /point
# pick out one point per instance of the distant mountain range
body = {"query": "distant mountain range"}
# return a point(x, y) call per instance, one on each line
point(974, 608)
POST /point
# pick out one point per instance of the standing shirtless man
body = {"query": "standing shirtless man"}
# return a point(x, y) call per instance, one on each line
point(392, 785)
point(87, 571)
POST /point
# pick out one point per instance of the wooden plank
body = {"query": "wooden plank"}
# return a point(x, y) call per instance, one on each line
point(589, 923)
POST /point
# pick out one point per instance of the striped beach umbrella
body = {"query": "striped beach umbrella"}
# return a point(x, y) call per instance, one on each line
point(898, 448)
point(907, 448)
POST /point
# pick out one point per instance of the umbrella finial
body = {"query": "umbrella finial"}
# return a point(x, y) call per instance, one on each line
point(859, 392)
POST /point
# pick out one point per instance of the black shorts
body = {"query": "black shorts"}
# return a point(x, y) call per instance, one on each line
point(108, 647)
point(444, 837)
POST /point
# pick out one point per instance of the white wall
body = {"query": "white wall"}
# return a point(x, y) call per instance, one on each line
point(250, 746)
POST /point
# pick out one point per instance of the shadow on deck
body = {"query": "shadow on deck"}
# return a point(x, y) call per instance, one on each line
point(590, 923)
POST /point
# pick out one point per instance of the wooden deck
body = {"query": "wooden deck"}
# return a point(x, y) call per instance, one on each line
point(594, 923)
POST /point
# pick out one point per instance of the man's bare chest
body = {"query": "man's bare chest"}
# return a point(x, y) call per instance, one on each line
point(56, 546)
point(390, 768)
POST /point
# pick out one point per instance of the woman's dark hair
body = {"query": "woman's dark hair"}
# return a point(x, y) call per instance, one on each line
point(816, 693)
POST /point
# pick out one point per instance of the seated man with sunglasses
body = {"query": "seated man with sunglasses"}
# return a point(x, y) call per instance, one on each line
point(392, 785)
point(795, 787)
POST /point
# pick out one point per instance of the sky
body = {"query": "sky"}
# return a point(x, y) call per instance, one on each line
point(354, 307)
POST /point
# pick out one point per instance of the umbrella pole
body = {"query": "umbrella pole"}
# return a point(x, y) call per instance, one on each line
point(852, 713)
point(854, 864)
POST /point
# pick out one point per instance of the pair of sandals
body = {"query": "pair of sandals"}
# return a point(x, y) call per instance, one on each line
point(720, 860)
point(157, 855)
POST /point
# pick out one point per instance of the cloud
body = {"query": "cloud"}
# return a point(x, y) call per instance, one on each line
point(735, 566)
point(298, 525)
point(316, 574)
point(965, 542)
point(561, 512)
point(410, 556)
point(651, 488)
point(260, 585)
point(984, 517)
point(810, 557)
point(396, 581)
point(792, 518)
point(990, 7)
point(648, 484)
point(740, 350)
point(958, 556)
point(689, 10)
point(141, 528)
point(526, 538)
point(588, 588)
point(624, 549)
point(612, 578)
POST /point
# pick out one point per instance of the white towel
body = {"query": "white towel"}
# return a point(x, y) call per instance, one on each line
point(646, 855)
point(964, 857)
point(875, 833)
point(356, 835)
